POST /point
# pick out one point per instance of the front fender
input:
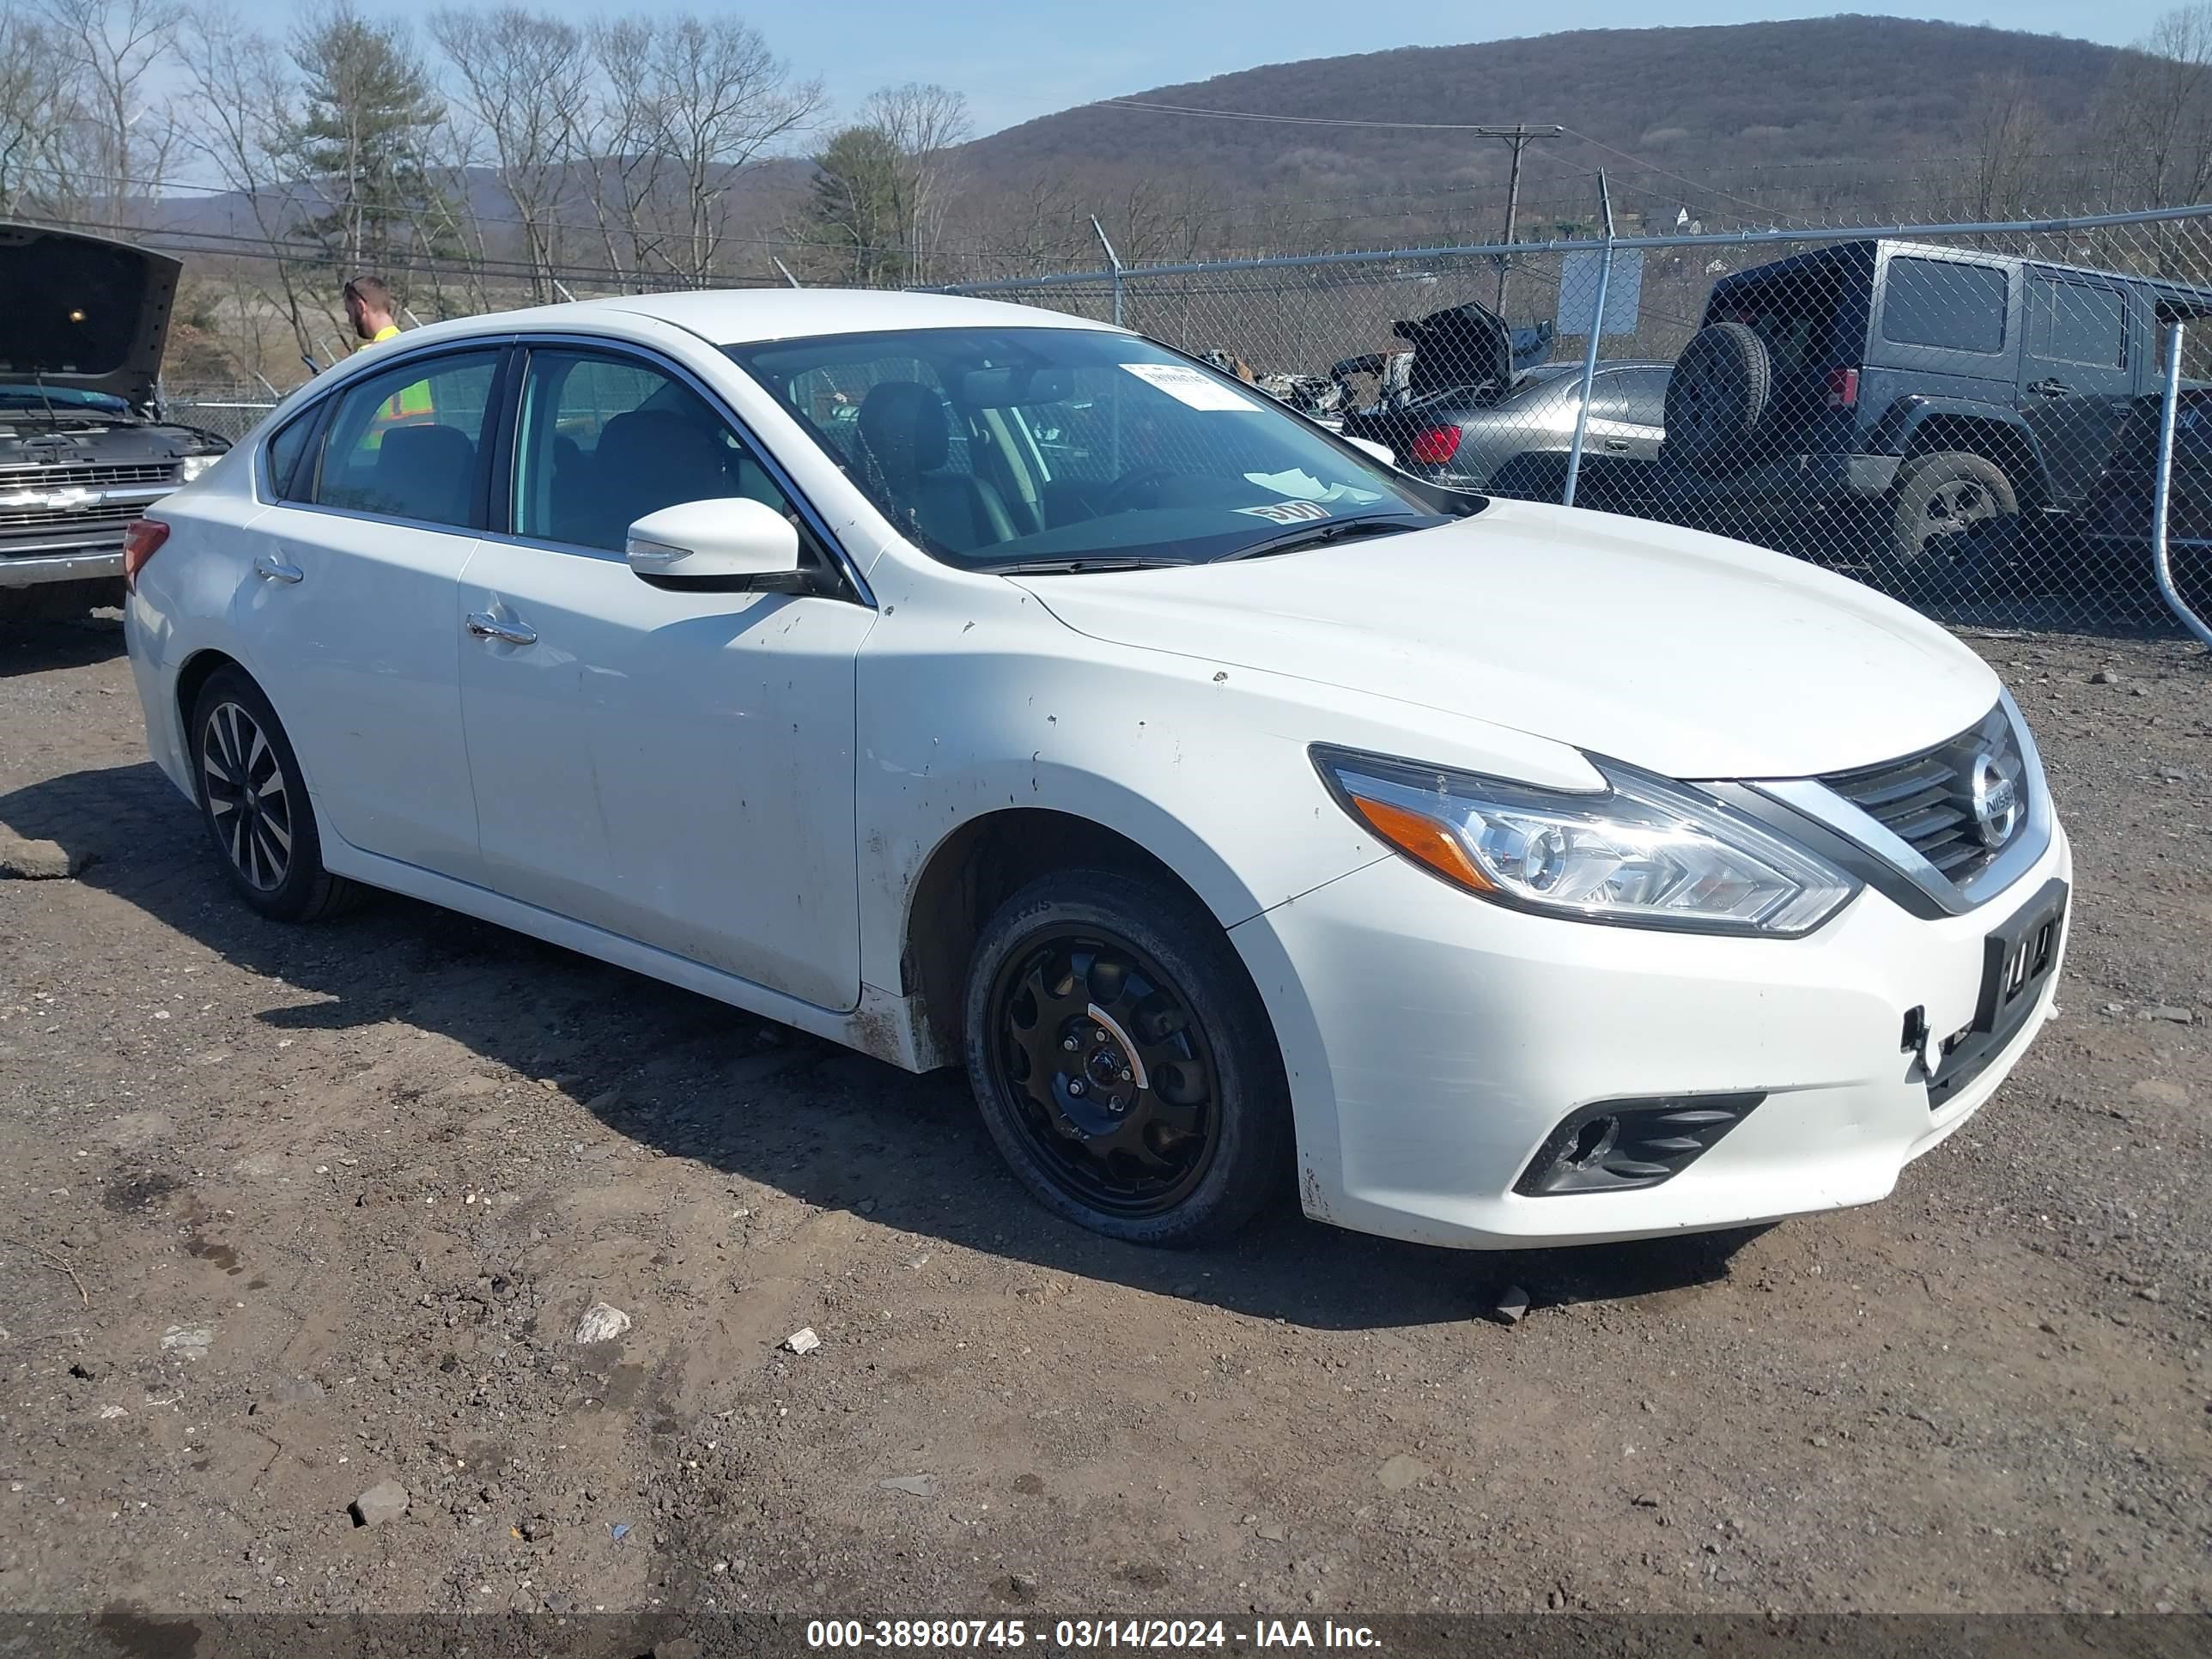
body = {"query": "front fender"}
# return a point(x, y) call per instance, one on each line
point(997, 705)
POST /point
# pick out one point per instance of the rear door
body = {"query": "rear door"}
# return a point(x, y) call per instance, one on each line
point(1628, 412)
point(1945, 329)
point(348, 614)
point(2076, 373)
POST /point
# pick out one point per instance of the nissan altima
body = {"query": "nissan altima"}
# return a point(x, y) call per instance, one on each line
point(976, 685)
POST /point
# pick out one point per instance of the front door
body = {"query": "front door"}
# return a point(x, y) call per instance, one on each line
point(2075, 375)
point(673, 766)
point(346, 613)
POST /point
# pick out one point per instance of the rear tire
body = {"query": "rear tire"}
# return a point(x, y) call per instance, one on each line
point(1123, 1061)
point(1937, 497)
point(254, 803)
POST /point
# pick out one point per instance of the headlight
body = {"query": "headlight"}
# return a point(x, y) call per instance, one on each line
point(1644, 853)
point(192, 465)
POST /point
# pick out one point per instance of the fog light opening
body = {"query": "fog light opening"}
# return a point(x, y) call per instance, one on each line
point(1617, 1146)
point(1593, 1141)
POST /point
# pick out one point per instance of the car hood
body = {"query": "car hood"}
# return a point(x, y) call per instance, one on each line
point(84, 312)
point(1678, 651)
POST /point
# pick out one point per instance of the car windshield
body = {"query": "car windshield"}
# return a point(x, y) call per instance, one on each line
point(1039, 448)
point(32, 396)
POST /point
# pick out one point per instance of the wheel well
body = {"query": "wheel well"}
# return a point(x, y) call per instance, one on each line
point(972, 873)
point(198, 668)
point(1993, 440)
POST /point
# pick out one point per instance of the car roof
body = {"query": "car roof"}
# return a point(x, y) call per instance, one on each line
point(747, 316)
point(2172, 296)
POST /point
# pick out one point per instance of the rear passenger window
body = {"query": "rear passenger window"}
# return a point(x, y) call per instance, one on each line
point(406, 443)
point(1936, 302)
point(2081, 323)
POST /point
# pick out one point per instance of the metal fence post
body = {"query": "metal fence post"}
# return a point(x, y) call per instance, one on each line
point(2160, 495)
point(1113, 259)
point(1589, 351)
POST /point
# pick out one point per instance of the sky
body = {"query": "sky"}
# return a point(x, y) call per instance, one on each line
point(1020, 58)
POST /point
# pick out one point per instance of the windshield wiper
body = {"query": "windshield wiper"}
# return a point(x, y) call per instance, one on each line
point(1321, 535)
point(1068, 567)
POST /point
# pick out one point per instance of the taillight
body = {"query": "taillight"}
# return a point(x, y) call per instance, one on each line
point(141, 541)
point(1842, 388)
point(1433, 445)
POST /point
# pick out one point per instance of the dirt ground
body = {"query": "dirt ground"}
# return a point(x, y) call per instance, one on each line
point(291, 1213)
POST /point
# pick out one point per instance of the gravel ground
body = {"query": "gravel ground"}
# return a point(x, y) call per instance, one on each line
point(291, 1213)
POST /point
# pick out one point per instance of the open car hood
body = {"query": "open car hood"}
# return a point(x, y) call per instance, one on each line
point(84, 312)
point(1469, 345)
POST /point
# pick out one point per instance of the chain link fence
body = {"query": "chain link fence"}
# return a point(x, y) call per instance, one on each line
point(1965, 416)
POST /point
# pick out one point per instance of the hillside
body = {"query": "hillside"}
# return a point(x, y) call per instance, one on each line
point(1792, 106)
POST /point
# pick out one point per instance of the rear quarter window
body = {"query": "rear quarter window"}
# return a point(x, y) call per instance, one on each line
point(1944, 304)
point(287, 450)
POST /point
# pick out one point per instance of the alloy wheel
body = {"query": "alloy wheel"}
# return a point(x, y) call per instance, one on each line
point(1112, 1075)
point(247, 797)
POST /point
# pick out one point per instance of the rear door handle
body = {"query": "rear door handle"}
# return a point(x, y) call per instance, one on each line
point(270, 568)
point(2051, 388)
point(485, 626)
point(1618, 446)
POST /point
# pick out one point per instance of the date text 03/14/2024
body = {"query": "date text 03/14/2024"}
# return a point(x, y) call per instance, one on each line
point(1085, 1634)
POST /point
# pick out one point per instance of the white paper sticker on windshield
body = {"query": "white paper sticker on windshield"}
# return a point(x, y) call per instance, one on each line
point(1288, 512)
point(1186, 386)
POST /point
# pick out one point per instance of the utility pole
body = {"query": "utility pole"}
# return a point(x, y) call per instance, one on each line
point(1517, 137)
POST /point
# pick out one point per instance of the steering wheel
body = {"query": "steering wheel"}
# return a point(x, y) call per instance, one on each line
point(1121, 495)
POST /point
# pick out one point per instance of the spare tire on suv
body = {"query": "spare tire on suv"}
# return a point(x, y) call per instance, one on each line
point(1717, 395)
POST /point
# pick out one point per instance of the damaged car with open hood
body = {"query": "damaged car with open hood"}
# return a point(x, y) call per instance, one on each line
point(83, 448)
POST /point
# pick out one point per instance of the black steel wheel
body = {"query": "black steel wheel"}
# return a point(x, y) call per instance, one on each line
point(255, 803)
point(1122, 1061)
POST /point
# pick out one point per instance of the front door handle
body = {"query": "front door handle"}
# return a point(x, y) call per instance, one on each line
point(270, 568)
point(1618, 446)
point(2051, 388)
point(485, 626)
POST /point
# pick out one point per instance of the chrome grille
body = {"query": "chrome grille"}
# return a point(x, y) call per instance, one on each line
point(84, 477)
point(1927, 800)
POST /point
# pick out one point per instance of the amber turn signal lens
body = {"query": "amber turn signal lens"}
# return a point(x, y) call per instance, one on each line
point(1419, 836)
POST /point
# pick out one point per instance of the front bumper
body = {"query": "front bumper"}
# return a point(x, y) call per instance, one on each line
point(62, 564)
point(1433, 1041)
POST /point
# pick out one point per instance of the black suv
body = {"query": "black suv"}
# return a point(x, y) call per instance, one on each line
point(1917, 389)
point(83, 448)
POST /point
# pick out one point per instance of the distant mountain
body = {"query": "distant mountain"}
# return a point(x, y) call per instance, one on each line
point(1790, 104)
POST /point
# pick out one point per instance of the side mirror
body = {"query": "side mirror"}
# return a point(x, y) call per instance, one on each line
point(1381, 453)
point(735, 542)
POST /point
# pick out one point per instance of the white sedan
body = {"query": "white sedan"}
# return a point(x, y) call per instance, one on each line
point(974, 685)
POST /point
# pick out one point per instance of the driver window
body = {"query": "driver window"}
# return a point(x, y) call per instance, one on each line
point(605, 439)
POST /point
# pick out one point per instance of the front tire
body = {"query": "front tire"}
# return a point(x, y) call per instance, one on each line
point(1122, 1059)
point(254, 803)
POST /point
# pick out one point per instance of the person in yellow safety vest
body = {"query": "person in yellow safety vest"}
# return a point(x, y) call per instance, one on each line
point(369, 306)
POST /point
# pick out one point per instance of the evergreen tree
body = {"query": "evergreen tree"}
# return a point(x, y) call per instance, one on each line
point(370, 114)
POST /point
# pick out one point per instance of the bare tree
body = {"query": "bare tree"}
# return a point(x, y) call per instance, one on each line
point(39, 120)
point(613, 134)
point(2158, 108)
point(2005, 129)
point(111, 49)
point(524, 78)
point(720, 99)
point(244, 99)
point(921, 123)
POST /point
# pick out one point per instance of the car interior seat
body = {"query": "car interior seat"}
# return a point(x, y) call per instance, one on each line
point(906, 438)
point(425, 472)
